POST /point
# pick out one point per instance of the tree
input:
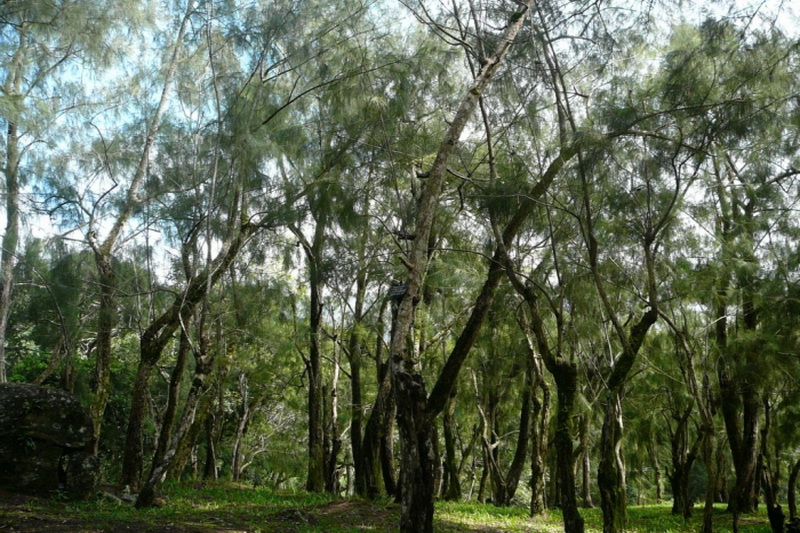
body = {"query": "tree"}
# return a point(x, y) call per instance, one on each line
point(39, 43)
point(414, 417)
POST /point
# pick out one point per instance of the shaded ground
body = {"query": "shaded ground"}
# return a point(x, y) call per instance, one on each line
point(205, 514)
point(229, 508)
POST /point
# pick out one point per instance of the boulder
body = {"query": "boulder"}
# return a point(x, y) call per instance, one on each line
point(45, 440)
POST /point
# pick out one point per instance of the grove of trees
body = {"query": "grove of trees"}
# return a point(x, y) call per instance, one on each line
point(528, 252)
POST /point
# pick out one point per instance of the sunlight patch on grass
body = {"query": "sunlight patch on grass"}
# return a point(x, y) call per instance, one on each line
point(470, 516)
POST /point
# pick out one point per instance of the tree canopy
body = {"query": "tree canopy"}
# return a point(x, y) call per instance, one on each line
point(523, 252)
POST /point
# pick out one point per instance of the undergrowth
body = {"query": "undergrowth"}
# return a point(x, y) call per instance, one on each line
point(231, 508)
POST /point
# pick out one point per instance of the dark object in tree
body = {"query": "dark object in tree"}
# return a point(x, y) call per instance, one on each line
point(46, 442)
point(397, 291)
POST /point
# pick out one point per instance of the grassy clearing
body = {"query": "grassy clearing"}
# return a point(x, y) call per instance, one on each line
point(231, 508)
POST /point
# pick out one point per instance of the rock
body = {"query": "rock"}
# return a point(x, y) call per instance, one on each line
point(45, 439)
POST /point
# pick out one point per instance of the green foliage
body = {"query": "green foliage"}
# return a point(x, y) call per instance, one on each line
point(214, 505)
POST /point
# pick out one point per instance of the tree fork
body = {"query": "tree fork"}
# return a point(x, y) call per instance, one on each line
point(414, 420)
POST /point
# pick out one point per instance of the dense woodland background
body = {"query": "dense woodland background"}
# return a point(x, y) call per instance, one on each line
point(539, 253)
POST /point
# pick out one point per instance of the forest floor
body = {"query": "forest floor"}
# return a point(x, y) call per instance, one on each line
point(229, 508)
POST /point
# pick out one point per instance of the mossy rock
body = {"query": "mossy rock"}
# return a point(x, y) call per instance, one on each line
point(45, 435)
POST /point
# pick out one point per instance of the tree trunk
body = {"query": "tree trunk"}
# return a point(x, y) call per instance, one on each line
point(791, 490)
point(566, 378)
point(210, 464)
point(332, 442)
point(585, 456)
point(388, 467)
point(315, 481)
point(565, 375)
point(12, 88)
point(539, 432)
point(133, 456)
point(103, 253)
point(156, 337)
point(508, 487)
point(204, 364)
point(165, 434)
point(452, 484)
point(683, 458)
point(245, 414)
point(186, 454)
point(414, 417)
point(711, 489)
point(652, 449)
point(770, 475)
point(611, 471)
point(368, 484)
point(356, 406)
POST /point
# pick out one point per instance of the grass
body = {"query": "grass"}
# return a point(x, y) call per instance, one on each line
point(231, 508)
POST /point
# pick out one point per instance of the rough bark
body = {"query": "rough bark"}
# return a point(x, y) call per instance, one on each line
point(770, 475)
point(156, 337)
point(566, 378)
point(451, 490)
point(204, 364)
point(791, 490)
point(369, 483)
point(168, 422)
point(11, 235)
point(611, 471)
point(388, 466)
point(506, 486)
point(683, 457)
point(539, 433)
point(565, 375)
point(103, 254)
point(414, 419)
point(356, 407)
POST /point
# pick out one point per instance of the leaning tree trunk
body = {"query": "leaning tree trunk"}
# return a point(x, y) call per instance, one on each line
point(565, 375)
point(204, 365)
point(156, 337)
point(368, 483)
point(176, 378)
point(414, 421)
point(103, 253)
point(133, 456)
point(505, 492)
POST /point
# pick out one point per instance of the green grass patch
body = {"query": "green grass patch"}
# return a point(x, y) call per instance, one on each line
point(232, 508)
